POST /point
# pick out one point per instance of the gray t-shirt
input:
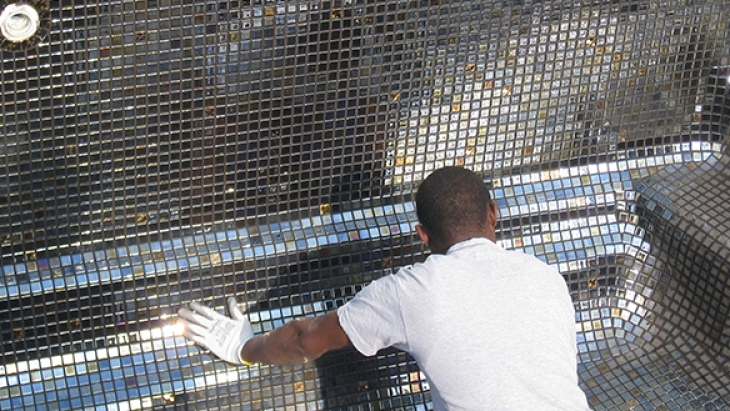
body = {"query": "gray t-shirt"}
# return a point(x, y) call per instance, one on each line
point(491, 329)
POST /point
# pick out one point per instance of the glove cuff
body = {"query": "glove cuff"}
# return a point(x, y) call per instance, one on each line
point(244, 362)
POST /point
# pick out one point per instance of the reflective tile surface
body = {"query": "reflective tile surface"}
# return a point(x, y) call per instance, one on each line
point(157, 152)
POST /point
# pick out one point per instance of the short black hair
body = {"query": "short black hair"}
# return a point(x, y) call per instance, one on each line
point(452, 200)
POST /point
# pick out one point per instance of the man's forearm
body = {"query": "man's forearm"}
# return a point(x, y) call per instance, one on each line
point(296, 342)
point(280, 346)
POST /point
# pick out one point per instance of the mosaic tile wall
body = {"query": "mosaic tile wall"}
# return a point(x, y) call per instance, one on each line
point(159, 152)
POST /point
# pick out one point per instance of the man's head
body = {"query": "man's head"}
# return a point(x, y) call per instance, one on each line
point(453, 205)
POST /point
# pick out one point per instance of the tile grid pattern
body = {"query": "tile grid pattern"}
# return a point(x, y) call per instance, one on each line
point(156, 153)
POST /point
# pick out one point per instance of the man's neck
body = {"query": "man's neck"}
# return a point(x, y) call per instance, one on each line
point(444, 248)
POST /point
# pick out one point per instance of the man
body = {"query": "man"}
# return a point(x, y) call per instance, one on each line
point(491, 329)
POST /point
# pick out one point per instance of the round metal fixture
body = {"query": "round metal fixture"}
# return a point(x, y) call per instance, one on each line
point(19, 22)
point(23, 24)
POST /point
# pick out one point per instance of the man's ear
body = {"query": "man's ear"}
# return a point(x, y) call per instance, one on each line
point(492, 214)
point(423, 234)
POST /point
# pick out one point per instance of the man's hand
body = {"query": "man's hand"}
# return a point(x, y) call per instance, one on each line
point(222, 335)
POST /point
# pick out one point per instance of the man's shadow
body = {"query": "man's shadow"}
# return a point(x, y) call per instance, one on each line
point(351, 381)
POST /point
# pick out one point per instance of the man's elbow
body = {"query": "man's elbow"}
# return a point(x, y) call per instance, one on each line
point(320, 335)
point(308, 352)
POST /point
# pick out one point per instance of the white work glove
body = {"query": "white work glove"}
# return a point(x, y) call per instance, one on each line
point(222, 335)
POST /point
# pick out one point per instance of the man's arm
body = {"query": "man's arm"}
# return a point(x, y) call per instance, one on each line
point(231, 338)
point(297, 341)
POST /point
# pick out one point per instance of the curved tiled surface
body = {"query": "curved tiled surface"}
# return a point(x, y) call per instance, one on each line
point(676, 313)
point(157, 153)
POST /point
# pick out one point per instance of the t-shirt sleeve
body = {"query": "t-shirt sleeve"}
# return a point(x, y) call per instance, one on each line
point(372, 320)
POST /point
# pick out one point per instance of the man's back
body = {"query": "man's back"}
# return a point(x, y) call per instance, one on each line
point(491, 329)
